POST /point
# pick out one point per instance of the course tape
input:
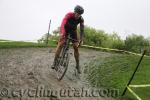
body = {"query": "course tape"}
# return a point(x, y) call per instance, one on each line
point(115, 50)
point(146, 85)
point(108, 49)
point(134, 93)
point(93, 47)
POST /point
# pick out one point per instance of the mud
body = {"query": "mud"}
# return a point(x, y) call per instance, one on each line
point(25, 74)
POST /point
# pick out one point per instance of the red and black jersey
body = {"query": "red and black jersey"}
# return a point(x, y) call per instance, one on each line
point(69, 23)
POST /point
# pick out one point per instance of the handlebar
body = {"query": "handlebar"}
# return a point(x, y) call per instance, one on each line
point(75, 41)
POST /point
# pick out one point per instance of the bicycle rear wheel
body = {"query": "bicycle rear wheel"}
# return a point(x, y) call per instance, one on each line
point(63, 62)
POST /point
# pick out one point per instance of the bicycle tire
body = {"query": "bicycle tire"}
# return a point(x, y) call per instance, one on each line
point(64, 59)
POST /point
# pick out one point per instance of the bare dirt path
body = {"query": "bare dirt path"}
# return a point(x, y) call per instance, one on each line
point(25, 74)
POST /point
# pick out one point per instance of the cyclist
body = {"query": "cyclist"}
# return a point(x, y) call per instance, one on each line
point(69, 26)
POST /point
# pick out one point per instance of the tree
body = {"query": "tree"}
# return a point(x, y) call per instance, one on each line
point(136, 43)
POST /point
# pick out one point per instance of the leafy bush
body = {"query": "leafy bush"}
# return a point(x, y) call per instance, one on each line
point(93, 37)
point(137, 43)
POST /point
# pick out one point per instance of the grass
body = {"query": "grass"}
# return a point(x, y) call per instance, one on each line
point(19, 44)
point(115, 72)
point(4, 40)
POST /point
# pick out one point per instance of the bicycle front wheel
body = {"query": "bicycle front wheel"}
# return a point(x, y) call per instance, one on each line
point(62, 65)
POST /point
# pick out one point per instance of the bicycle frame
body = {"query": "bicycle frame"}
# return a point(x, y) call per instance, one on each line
point(63, 59)
point(65, 50)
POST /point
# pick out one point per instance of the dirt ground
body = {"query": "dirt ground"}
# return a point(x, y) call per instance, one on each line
point(25, 74)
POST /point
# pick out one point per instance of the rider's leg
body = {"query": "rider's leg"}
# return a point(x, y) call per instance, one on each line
point(76, 51)
point(76, 55)
point(58, 50)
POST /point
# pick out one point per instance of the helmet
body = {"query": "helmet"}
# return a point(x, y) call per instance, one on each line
point(78, 9)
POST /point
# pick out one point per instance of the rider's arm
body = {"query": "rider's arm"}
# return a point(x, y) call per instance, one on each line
point(81, 29)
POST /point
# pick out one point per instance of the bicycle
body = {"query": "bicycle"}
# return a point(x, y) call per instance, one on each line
point(63, 60)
